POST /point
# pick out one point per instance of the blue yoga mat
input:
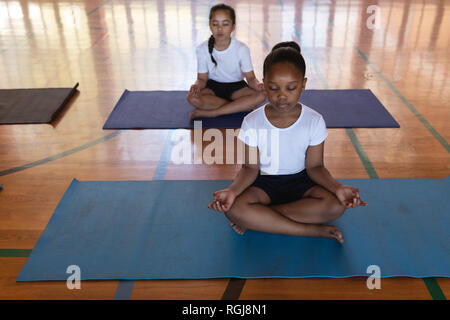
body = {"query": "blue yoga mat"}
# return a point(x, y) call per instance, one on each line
point(164, 230)
point(170, 110)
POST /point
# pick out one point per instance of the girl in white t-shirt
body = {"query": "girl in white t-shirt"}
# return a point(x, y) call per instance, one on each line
point(223, 62)
point(287, 190)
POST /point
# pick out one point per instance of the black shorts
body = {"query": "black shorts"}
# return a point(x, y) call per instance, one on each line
point(224, 90)
point(284, 188)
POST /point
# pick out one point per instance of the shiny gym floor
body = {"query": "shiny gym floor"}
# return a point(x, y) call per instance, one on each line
point(113, 45)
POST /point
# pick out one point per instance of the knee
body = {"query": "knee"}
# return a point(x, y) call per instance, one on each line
point(260, 97)
point(334, 210)
point(236, 211)
point(338, 209)
point(196, 102)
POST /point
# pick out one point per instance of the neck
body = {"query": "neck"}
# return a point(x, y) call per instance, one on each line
point(222, 44)
point(277, 112)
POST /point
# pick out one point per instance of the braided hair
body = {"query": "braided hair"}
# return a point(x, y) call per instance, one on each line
point(210, 49)
point(211, 40)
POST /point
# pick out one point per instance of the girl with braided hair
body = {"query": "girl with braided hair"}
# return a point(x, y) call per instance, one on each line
point(223, 62)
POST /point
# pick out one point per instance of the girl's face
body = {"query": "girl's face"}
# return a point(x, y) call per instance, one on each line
point(221, 25)
point(284, 84)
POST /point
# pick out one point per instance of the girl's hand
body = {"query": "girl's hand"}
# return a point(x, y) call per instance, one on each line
point(349, 197)
point(223, 200)
point(195, 90)
point(260, 87)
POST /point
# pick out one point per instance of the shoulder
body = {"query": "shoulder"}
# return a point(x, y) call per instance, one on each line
point(255, 116)
point(202, 47)
point(314, 120)
point(239, 45)
point(311, 114)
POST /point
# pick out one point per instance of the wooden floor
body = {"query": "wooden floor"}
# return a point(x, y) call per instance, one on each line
point(109, 46)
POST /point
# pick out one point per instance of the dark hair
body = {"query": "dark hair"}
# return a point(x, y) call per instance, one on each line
point(215, 8)
point(288, 51)
point(287, 44)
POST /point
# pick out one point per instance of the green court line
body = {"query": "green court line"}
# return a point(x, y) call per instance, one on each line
point(361, 153)
point(125, 288)
point(233, 289)
point(434, 289)
point(101, 5)
point(350, 132)
point(14, 253)
point(408, 104)
point(431, 283)
point(60, 155)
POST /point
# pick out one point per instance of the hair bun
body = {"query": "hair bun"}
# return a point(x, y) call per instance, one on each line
point(287, 44)
point(288, 51)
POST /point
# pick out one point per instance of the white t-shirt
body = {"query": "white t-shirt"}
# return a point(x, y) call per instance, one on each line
point(283, 150)
point(231, 62)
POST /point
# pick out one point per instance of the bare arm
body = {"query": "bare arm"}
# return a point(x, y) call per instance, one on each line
point(316, 169)
point(199, 84)
point(248, 173)
point(347, 195)
point(224, 199)
point(252, 81)
point(202, 78)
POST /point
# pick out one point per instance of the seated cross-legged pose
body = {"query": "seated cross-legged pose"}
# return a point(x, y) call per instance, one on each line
point(223, 62)
point(291, 193)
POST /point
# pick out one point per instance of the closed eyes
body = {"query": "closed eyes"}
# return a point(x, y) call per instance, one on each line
point(289, 89)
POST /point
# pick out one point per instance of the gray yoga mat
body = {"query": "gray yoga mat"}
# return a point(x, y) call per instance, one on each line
point(25, 106)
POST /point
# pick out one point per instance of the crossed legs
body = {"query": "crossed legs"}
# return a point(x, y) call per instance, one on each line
point(208, 105)
point(251, 210)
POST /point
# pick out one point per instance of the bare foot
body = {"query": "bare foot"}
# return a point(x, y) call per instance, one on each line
point(194, 100)
point(331, 232)
point(239, 230)
point(193, 114)
point(198, 113)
